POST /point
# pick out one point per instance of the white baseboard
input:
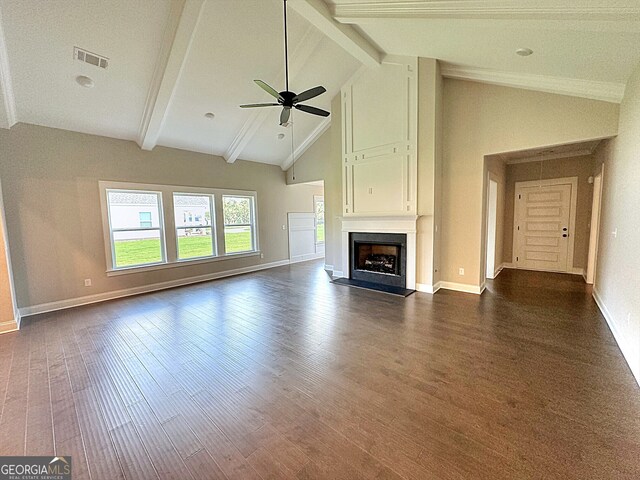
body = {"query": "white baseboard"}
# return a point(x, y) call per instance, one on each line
point(328, 268)
point(338, 274)
point(306, 258)
point(426, 288)
point(101, 297)
point(620, 340)
point(508, 265)
point(10, 326)
point(498, 270)
point(462, 287)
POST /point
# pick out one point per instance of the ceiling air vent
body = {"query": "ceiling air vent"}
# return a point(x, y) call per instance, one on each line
point(91, 58)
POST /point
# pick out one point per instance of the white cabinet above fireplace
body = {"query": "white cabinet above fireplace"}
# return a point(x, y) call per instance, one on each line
point(379, 133)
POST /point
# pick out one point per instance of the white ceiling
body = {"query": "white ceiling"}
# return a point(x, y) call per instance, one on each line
point(171, 61)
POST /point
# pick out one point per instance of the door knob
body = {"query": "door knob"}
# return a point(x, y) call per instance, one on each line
point(565, 235)
point(564, 229)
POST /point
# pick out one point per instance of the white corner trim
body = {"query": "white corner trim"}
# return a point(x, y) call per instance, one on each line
point(463, 287)
point(10, 326)
point(576, 271)
point(317, 132)
point(298, 59)
point(174, 49)
point(426, 288)
point(486, 9)
point(6, 85)
point(498, 270)
point(318, 14)
point(604, 91)
point(101, 297)
point(620, 339)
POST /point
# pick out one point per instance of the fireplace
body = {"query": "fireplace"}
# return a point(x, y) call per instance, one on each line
point(378, 258)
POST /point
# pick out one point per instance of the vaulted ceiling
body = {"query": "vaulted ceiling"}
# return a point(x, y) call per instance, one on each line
point(172, 61)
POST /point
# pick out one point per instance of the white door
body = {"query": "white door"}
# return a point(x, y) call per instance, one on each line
point(302, 236)
point(542, 216)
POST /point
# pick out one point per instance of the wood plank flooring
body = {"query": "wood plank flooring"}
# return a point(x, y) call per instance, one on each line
point(282, 375)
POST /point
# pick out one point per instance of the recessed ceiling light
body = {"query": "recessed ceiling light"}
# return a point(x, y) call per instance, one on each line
point(280, 136)
point(85, 81)
point(209, 115)
point(524, 52)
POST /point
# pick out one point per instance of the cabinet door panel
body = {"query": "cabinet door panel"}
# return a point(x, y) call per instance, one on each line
point(378, 186)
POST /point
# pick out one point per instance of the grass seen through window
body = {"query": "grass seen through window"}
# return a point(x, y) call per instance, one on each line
point(136, 252)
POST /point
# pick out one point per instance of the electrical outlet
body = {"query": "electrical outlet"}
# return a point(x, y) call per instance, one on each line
point(461, 271)
point(87, 282)
point(284, 227)
point(614, 234)
point(262, 255)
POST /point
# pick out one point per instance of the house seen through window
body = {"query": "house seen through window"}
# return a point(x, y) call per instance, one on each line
point(135, 227)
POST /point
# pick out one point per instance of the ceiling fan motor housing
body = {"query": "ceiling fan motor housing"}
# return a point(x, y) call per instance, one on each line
point(287, 98)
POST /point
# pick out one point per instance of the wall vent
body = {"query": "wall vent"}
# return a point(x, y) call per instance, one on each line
point(90, 58)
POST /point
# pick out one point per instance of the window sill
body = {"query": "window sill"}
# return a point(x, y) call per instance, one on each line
point(179, 263)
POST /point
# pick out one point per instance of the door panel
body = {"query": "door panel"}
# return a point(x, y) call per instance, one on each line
point(542, 227)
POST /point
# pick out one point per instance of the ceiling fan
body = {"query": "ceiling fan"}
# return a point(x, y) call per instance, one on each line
point(286, 99)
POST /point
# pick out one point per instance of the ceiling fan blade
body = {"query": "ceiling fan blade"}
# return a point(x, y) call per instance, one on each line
point(256, 105)
point(284, 115)
point(270, 90)
point(313, 110)
point(309, 94)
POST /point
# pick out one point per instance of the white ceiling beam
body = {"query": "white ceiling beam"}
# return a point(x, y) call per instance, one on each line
point(490, 9)
point(178, 37)
point(317, 132)
point(299, 58)
point(7, 100)
point(594, 90)
point(318, 14)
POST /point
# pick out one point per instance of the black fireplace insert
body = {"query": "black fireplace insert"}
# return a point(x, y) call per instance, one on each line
point(378, 258)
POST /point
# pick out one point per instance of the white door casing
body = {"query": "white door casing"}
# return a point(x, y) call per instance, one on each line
point(544, 224)
point(595, 228)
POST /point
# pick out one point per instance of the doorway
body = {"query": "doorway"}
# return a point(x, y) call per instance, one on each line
point(544, 224)
point(492, 223)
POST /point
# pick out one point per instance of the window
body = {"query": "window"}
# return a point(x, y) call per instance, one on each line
point(135, 227)
point(239, 230)
point(145, 219)
point(204, 225)
point(318, 202)
point(194, 225)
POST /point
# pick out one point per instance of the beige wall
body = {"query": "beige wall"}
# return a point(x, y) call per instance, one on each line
point(618, 263)
point(50, 179)
point(484, 119)
point(322, 161)
point(581, 167)
point(429, 171)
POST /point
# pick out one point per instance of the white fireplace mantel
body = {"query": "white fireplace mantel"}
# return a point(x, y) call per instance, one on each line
point(397, 224)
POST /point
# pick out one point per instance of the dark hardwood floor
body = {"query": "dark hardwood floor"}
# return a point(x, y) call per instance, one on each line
point(281, 375)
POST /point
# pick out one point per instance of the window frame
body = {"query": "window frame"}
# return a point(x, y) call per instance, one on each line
point(212, 226)
point(169, 239)
point(316, 199)
point(159, 228)
point(252, 225)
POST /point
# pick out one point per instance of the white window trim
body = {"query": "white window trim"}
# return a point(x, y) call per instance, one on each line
point(252, 225)
point(169, 238)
